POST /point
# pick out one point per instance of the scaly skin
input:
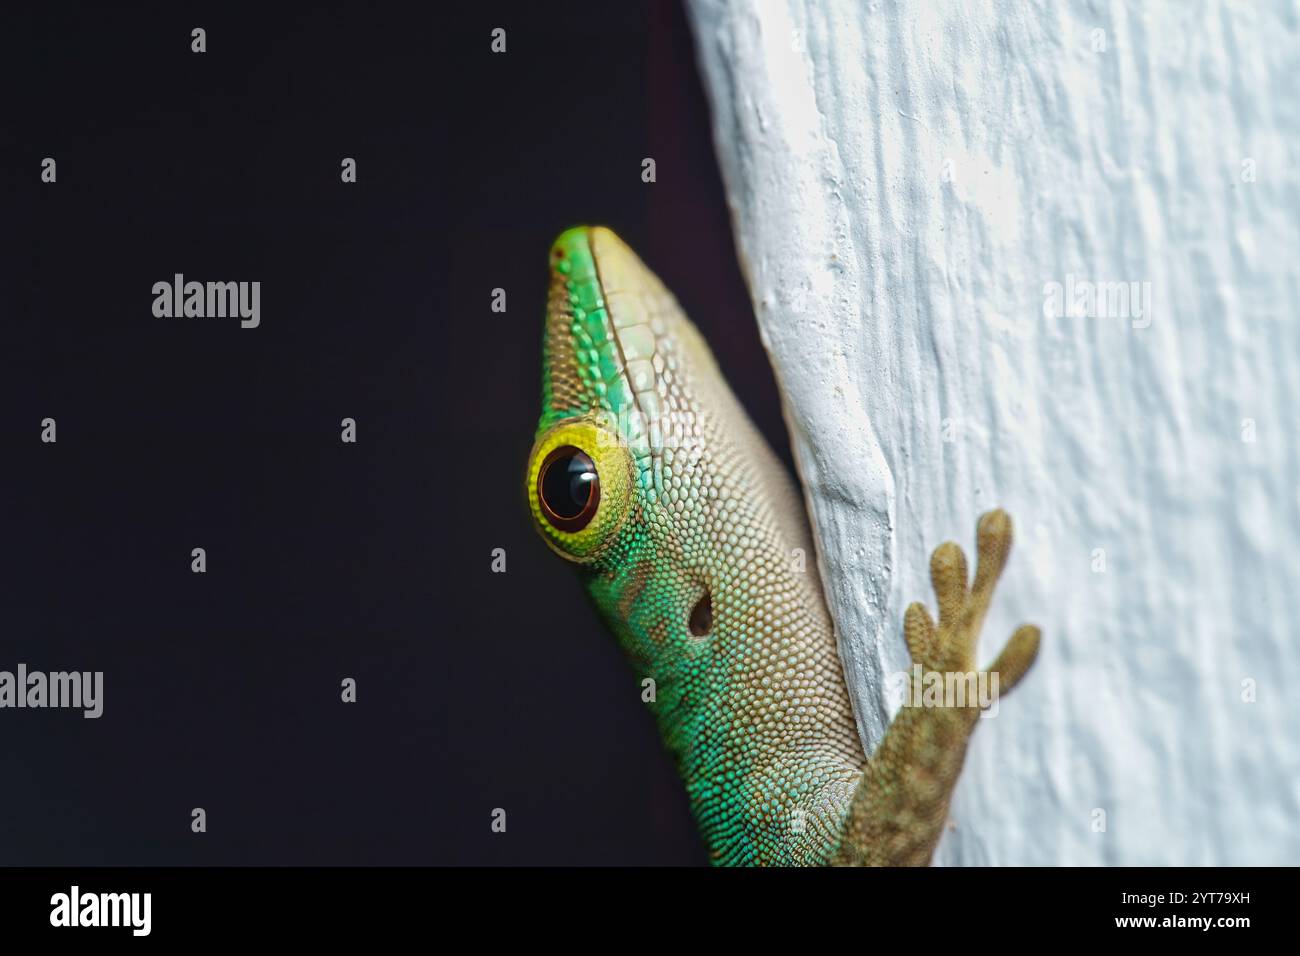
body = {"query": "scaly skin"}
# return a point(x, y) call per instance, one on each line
point(697, 554)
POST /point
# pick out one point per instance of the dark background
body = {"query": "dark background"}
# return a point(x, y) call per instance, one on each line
point(476, 690)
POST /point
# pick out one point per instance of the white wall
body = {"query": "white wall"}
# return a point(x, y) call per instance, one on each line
point(905, 180)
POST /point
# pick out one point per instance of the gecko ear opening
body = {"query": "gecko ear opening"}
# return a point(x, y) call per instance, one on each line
point(701, 620)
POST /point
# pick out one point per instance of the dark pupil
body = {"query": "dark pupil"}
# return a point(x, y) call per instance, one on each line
point(566, 486)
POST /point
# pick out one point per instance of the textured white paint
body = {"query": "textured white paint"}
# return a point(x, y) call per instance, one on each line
point(905, 180)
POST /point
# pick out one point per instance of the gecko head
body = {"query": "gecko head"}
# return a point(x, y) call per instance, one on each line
point(617, 408)
point(611, 358)
point(618, 475)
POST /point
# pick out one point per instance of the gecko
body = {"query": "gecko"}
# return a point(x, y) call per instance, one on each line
point(648, 476)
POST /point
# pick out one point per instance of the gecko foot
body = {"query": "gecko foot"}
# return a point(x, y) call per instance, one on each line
point(951, 646)
point(900, 807)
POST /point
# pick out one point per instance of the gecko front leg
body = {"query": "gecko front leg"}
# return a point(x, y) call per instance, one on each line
point(901, 803)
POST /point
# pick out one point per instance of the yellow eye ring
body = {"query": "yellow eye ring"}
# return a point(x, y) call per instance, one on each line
point(579, 488)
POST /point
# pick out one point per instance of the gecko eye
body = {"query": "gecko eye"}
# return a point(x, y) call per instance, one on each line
point(568, 488)
point(580, 487)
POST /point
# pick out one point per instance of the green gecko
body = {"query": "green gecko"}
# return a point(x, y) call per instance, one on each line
point(647, 474)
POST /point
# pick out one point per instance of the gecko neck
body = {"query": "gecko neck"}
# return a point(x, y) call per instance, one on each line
point(769, 772)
